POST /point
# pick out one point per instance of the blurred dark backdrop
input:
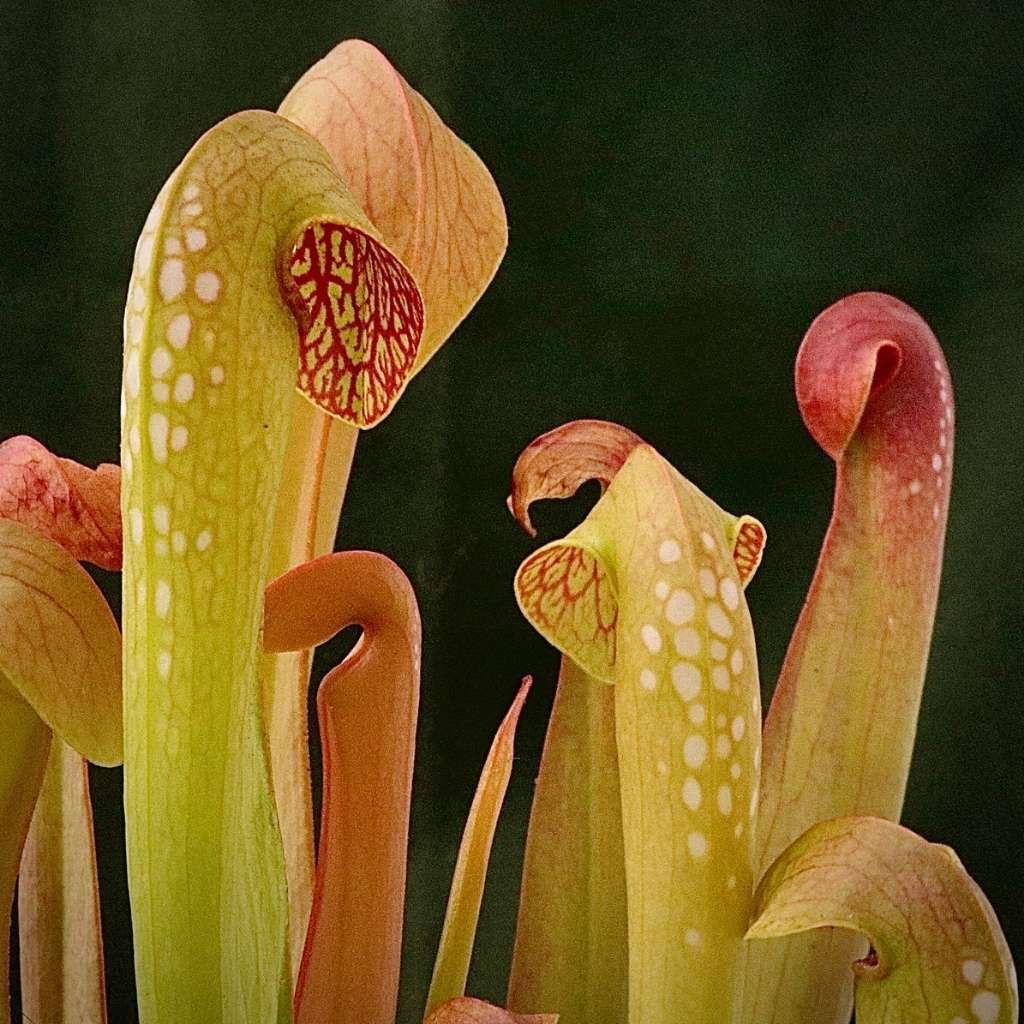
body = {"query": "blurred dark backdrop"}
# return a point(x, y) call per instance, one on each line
point(687, 186)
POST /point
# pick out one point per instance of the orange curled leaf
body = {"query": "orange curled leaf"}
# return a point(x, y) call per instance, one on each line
point(425, 190)
point(78, 507)
point(451, 969)
point(558, 463)
point(474, 1011)
point(875, 393)
point(366, 708)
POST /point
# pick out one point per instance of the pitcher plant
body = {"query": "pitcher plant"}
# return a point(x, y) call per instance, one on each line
point(686, 863)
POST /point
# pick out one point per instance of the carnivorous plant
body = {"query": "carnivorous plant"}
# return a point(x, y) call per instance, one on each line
point(685, 862)
point(668, 835)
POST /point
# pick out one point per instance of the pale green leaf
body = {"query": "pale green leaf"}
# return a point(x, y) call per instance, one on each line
point(451, 968)
point(937, 954)
point(571, 950)
point(60, 647)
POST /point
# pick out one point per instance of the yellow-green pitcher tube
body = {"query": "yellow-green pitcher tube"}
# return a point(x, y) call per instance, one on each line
point(647, 595)
point(256, 272)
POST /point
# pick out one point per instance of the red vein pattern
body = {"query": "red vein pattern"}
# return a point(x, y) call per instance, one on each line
point(748, 548)
point(559, 462)
point(361, 321)
point(78, 507)
point(566, 589)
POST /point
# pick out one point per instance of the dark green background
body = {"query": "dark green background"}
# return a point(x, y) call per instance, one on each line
point(687, 186)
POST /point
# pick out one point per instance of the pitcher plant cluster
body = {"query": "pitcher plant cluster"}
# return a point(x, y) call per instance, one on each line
point(686, 862)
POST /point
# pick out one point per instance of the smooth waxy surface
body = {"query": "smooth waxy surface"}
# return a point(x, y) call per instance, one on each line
point(645, 595)
point(571, 948)
point(317, 461)
point(366, 709)
point(59, 643)
point(874, 391)
point(451, 968)
point(219, 326)
point(26, 747)
point(939, 956)
point(60, 939)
